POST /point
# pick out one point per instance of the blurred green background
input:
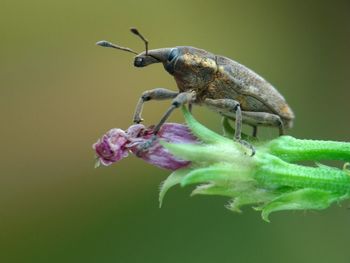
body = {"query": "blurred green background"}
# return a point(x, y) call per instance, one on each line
point(59, 93)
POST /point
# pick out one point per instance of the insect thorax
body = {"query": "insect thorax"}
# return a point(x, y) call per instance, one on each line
point(194, 70)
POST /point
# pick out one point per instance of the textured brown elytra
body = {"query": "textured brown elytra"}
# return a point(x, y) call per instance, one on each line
point(220, 83)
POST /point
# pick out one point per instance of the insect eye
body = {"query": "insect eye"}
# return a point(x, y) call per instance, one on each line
point(173, 53)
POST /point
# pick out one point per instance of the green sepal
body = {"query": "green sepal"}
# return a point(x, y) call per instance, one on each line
point(210, 153)
point(172, 180)
point(217, 174)
point(200, 131)
point(97, 162)
point(302, 199)
point(213, 189)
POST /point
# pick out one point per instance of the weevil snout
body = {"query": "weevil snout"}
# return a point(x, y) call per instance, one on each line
point(152, 56)
point(139, 62)
point(143, 60)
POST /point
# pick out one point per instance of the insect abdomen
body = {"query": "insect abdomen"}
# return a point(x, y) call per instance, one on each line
point(258, 94)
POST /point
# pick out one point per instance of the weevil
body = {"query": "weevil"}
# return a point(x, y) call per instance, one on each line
point(215, 81)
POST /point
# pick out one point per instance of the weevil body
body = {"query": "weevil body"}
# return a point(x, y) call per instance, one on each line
point(220, 83)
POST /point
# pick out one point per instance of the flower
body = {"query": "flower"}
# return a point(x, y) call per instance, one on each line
point(269, 181)
point(116, 145)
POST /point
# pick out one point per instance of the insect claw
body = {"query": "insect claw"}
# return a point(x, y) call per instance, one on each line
point(138, 120)
point(253, 151)
point(248, 145)
point(142, 148)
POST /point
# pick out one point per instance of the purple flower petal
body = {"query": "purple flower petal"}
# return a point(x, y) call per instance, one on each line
point(111, 148)
point(116, 144)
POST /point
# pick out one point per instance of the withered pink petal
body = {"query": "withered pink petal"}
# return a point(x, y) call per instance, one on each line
point(161, 157)
point(116, 144)
point(134, 130)
point(157, 154)
point(111, 148)
point(176, 133)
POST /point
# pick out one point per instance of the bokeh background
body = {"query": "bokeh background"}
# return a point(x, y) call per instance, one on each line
point(59, 93)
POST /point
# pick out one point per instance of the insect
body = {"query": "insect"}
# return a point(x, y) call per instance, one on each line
point(217, 82)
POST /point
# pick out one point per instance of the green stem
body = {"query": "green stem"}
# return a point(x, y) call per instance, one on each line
point(275, 172)
point(291, 149)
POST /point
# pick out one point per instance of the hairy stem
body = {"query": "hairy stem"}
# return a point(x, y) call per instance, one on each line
point(291, 149)
point(276, 172)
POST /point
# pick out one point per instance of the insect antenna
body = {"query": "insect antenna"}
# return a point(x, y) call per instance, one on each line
point(104, 43)
point(137, 33)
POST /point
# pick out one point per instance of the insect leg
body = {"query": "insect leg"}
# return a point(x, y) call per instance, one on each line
point(254, 119)
point(181, 99)
point(263, 119)
point(190, 107)
point(154, 94)
point(229, 107)
point(255, 130)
